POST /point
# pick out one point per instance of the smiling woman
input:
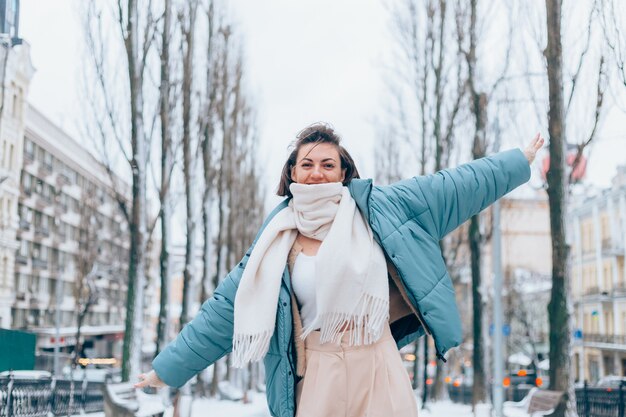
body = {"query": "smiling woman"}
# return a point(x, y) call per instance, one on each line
point(341, 275)
point(317, 157)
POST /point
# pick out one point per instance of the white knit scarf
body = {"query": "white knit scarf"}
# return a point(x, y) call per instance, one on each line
point(350, 267)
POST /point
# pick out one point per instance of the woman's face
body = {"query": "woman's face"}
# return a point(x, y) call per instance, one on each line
point(317, 163)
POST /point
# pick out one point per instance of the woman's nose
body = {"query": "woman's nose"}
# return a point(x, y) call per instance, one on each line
point(317, 172)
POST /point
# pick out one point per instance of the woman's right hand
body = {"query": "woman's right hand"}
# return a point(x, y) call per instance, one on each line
point(151, 379)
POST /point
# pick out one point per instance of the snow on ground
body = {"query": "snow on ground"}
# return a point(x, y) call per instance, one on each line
point(258, 408)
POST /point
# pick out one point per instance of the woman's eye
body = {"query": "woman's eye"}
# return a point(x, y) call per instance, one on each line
point(330, 166)
point(305, 165)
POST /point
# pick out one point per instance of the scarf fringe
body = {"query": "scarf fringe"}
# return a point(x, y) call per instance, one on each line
point(250, 348)
point(367, 322)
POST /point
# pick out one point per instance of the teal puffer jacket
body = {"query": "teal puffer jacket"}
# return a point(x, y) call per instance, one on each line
point(408, 219)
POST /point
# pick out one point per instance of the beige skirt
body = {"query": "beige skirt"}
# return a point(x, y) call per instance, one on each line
point(354, 381)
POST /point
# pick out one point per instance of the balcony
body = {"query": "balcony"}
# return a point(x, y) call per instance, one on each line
point(612, 339)
point(21, 259)
point(611, 247)
point(24, 225)
point(45, 168)
point(592, 291)
point(40, 264)
point(42, 231)
point(62, 179)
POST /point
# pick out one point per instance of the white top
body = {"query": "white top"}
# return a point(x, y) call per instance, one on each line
point(303, 283)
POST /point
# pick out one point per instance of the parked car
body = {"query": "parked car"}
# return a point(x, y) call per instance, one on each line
point(611, 381)
point(29, 374)
point(94, 375)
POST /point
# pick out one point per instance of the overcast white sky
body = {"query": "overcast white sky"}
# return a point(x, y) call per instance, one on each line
point(308, 60)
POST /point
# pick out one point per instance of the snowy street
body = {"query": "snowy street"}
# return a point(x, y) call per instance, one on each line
point(258, 408)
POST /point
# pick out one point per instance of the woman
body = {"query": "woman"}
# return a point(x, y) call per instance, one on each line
point(341, 275)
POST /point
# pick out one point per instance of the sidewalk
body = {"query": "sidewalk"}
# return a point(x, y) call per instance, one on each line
point(258, 408)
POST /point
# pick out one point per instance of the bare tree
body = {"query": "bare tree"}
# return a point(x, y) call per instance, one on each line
point(136, 31)
point(559, 308)
point(207, 130)
point(468, 23)
point(432, 70)
point(188, 28)
point(167, 165)
point(86, 261)
point(613, 21)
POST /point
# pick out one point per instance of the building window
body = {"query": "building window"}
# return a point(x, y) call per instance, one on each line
point(36, 249)
point(11, 157)
point(22, 283)
point(38, 185)
point(23, 250)
point(39, 154)
point(43, 254)
point(43, 285)
point(52, 287)
point(29, 149)
point(68, 289)
point(47, 161)
point(15, 105)
point(5, 272)
point(18, 318)
point(607, 272)
point(26, 183)
point(33, 284)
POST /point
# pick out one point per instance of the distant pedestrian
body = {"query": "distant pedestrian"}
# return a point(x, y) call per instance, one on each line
point(341, 275)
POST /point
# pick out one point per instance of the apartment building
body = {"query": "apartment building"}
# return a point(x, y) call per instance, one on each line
point(59, 180)
point(15, 77)
point(526, 272)
point(598, 230)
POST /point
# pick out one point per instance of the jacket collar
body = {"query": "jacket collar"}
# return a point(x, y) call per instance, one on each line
point(360, 190)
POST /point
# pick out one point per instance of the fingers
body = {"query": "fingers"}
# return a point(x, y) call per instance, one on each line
point(537, 142)
point(141, 382)
point(144, 382)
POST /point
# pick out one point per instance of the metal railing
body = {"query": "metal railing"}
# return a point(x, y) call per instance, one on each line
point(45, 397)
point(590, 402)
point(615, 339)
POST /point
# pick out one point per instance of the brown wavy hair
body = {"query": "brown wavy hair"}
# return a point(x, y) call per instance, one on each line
point(316, 133)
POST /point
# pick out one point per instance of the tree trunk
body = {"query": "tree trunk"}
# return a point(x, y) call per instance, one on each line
point(188, 161)
point(425, 392)
point(415, 382)
point(209, 175)
point(166, 163)
point(479, 110)
point(131, 355)
point(559, 306)
point(479, 390)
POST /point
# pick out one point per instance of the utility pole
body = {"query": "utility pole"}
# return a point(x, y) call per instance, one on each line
point(57, 325)
point(498, 393)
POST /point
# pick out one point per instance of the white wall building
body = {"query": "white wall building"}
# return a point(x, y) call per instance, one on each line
point(16, 72)
point(598, 230)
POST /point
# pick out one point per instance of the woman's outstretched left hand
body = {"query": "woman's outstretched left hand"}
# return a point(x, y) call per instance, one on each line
point(150, 379)
point(531, 150)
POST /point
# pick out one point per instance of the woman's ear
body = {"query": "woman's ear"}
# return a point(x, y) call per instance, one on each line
point(292, 171)
point(343, 174)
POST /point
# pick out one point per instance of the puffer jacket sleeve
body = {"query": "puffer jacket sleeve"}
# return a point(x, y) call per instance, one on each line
point(209, 336)
point(448, 198)
point(204, 340)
